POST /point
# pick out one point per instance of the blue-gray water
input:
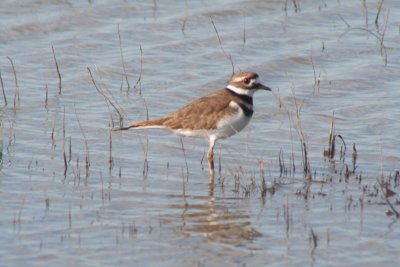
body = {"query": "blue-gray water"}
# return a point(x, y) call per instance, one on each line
point(153, 206)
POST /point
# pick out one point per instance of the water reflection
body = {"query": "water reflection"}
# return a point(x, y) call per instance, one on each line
point(218, 221)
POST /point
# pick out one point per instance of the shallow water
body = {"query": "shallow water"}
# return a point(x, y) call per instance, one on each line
point(153, 205)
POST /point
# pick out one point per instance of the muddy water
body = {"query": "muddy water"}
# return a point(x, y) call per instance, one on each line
point(153, 205)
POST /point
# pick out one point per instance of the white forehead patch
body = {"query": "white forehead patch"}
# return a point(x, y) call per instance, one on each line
point(252, 81)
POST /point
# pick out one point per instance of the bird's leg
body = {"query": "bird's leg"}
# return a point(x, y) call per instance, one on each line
point(210, 157)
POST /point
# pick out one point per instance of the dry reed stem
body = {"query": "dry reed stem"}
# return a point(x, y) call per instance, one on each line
point(138, 85)
point(313, 67)
point(63, 148)
point(354, 157)
point(330, 153)
point(342, 153)
point(87, 159)
point(77, 174)
point(16, 94)
point(263, 181)
point(286, 215)
point(145, 149)
point(296, 6)
point(53, 143)
point(47, 97)
point(229, 56)
point(378, 13)
point(384, 31)
point(314, 241)
point(106, 98)
point(376, 35)
point(122, 59)
point(331, 142)
point(317, 81)
point(383, 185)
point(185, 19)
point(2, 88)
point(300, 132)
point(111, 97)
point(70, 150)
point(380, 39)
point(139, 80)
point(344, 21)
point(110, 159)
point(293, 165)
point(58, 70)
point(281, 163)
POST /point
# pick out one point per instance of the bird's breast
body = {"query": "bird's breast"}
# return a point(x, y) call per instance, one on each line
point(234, 122)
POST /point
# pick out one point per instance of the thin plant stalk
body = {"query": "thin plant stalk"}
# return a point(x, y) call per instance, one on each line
point(2, 88)
point(58, 71)
point(122, 59)
point(222, 48)
point(16, 95)
point(85, 141)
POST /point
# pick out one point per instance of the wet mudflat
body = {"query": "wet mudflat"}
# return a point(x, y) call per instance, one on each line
point(72, 192)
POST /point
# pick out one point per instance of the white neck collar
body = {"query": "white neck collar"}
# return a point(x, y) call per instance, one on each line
point(240, 91)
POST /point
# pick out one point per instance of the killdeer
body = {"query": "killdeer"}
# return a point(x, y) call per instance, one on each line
point(217, 115)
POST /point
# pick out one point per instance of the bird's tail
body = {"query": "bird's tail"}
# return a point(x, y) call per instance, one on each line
point(149, 124)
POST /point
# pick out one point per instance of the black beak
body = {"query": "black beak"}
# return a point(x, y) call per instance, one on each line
point(263, 87)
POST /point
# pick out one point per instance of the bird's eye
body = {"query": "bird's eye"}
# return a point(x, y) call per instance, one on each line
point(246, 81)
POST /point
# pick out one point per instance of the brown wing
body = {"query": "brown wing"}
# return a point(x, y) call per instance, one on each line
point(202, 113)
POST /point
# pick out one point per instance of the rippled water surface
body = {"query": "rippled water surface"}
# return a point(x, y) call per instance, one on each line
point(72, 193)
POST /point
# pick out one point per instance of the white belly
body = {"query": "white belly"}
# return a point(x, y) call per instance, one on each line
point(233, 124)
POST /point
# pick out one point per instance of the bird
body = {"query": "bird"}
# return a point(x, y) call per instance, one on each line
point(217, 115)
